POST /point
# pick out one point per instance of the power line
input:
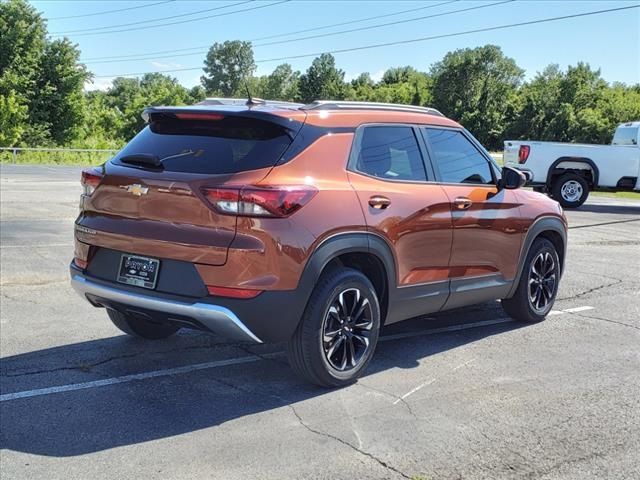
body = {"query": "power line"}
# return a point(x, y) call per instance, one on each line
point(109, 27)
point(156, 57)
point(402, 42)
point(380, 25)
point(145, 54)
point(105, 12)
point(377, 17)
point(183, 21)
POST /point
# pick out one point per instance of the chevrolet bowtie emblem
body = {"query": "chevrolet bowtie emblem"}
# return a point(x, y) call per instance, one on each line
point(137, 189)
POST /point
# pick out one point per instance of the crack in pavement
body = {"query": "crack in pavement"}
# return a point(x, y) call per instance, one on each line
point(591, 290)
point(344, 442)
point(87, 368)
point(395, 397)
point(604, 320)
point(287, 402)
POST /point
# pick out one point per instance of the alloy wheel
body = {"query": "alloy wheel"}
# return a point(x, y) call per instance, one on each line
point(542, 281)
point(347, 329)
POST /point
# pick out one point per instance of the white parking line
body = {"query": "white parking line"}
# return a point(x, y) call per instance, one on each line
point(577, 309)
point(571, 310)
point(220, 363)
point(128, 378)
point(411, 392)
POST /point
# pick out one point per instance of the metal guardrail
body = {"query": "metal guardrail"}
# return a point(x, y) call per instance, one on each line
point(15, 150)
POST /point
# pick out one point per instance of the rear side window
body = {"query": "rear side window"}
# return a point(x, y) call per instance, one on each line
point(457, 158)
point(390, 153)
point(228, 145)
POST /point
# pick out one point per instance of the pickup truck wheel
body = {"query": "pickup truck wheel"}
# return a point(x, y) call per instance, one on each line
point(570, 190)
point(137, 327)
point(538, 284)
point(338, 332)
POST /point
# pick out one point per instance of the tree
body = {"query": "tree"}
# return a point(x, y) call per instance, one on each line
point(398, 75)
point(22, 43)
point(60, 82)
point(281, 84)
point(131, 96)
point(13, 116)
point(227, 65)
point(478, 87)
point(538, 102)
point(41, 81)
point(322, 81)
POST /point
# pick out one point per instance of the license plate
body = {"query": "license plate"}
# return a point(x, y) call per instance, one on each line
point(138, 271)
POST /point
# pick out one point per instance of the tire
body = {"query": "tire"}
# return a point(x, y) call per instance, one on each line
point(570, 190)
point(354, 327)
point(525, 306)
point(137, 327)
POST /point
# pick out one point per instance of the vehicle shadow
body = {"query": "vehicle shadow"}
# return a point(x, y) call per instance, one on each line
point(95, 419)
point(606, 208)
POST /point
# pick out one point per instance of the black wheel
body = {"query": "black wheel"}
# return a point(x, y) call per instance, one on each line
point(138, 327)
point(338, 332)
point(538, 284)
point(570, 190)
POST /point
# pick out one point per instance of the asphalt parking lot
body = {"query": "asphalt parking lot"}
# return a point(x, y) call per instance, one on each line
point(466, 394)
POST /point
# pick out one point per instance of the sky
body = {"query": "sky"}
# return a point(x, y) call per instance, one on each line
point(608, 41)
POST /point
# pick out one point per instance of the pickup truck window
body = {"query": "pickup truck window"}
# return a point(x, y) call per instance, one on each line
point(625, 136)
point(456, 157)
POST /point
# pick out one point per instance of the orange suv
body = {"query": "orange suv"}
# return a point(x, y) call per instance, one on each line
point(309, 224)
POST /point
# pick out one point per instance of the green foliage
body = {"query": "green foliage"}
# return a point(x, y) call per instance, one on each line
point(42, 102)
point(59, 102)
point(478, 87)
point(281, 84)
point(41, 81)
point(322, 81)
point(226, 66)
point(13, 116)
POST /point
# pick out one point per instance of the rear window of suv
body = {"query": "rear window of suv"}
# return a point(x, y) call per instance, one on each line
point(228, 145)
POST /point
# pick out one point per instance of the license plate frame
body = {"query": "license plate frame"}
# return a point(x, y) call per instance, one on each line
point(138, 271)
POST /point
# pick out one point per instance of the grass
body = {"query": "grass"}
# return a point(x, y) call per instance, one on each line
point(629, 195)
point(55, 158)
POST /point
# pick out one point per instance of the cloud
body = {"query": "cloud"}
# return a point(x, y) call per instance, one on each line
point(165, 65)
point(377, 76)
point(99, 84)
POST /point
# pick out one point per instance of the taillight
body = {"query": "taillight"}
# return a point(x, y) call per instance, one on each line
point(279, 201)
point(90, 179)
point(523, 153)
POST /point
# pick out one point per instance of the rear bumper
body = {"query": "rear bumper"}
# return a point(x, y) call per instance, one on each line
point(215, 318)
point(271, 317)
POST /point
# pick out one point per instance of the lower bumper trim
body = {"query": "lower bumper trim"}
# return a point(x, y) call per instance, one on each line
point(217, 319)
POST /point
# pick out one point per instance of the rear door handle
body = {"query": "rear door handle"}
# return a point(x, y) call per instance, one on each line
point(462, 203)
point(380, 202)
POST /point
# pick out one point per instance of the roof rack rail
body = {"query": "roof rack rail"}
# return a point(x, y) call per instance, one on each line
point(243, 101)
point(344, 105)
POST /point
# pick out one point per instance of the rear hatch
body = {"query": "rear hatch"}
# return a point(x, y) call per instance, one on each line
point(149, 198)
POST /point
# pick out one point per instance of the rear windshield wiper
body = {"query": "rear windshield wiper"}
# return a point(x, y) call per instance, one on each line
point(152, 160)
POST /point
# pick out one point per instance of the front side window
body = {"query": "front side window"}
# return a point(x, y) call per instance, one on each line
point(391, 153)
point(457, 158)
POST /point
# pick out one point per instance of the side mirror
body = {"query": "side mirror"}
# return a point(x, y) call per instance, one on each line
point(512, 179)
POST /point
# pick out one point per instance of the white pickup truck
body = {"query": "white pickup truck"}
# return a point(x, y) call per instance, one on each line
point(568, 171)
